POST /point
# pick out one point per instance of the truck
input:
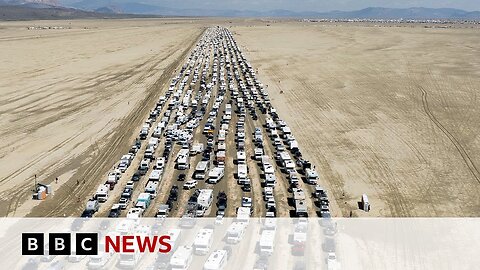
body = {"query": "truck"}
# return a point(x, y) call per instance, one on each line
point(144, 200)
point(102, 193)
point(215, 175)
point(181, 258)
point(203, 241)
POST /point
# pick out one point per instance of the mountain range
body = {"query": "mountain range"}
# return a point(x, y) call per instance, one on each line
point(120, 7)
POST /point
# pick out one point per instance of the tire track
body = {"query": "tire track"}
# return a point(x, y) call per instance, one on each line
point(468, 161)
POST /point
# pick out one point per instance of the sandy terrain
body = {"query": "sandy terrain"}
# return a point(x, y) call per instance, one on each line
point(390, 112)
point(72, 101)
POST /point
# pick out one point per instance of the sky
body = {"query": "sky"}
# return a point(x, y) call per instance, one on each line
point(302, 5)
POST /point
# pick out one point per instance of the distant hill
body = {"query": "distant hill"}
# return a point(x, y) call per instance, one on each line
point(26, 12)
point(49, 9)
point(367, 13)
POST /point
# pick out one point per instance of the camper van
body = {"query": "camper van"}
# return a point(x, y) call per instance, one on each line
point(203, 241)
point(102, 193)
point(205, 198)
point(242, 172)
point(241, 157)
point(267, 242)
point(183, 159)
point(216, 261)
point(201, 169)
point(181, 258)
point(215, 175)
point(151, 188)
point(311, 176)
point(235, 232)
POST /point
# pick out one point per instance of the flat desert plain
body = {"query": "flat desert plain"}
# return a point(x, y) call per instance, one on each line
point(392, 112)
point(73, 99)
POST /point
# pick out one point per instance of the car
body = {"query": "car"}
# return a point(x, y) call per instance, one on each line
point(246, 202)
point(130, 184)
point(136, 177)
point(114, 212)
point(87, 214)
point(190, 184)
point(123, 203)
point(219, 220)
point(127, 193)
point(182, 177)
point(247, 188)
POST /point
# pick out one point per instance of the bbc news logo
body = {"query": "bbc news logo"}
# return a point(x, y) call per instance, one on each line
point(87, 244)
point(59, 244)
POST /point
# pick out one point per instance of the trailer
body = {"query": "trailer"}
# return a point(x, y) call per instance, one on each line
point(155, 175)
point(267, 242)
point(241, 157)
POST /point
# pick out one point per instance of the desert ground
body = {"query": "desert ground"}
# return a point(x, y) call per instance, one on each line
point(386, 111)
point(71, 98)
point(391, 112)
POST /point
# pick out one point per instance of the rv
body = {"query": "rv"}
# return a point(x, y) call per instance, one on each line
point(183, 159)
point(301, 208)
point(181, 258)
point(311, 175)
point(197, 149)
point(235, 232)
point(221, 157)
point(201, 169)
point(242, 172)
point(151, 188)
point(203, 241)
point(102, 193)
point(155, 175)
point(241, 156)
point(270, 180)
point(205, 198)
point(215, 175)
point(267, 242)
point(216, 261)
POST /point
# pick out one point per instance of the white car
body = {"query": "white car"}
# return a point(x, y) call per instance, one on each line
point(246, 202)
point(130, 185)
point(271, 203)
point(190, 184)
